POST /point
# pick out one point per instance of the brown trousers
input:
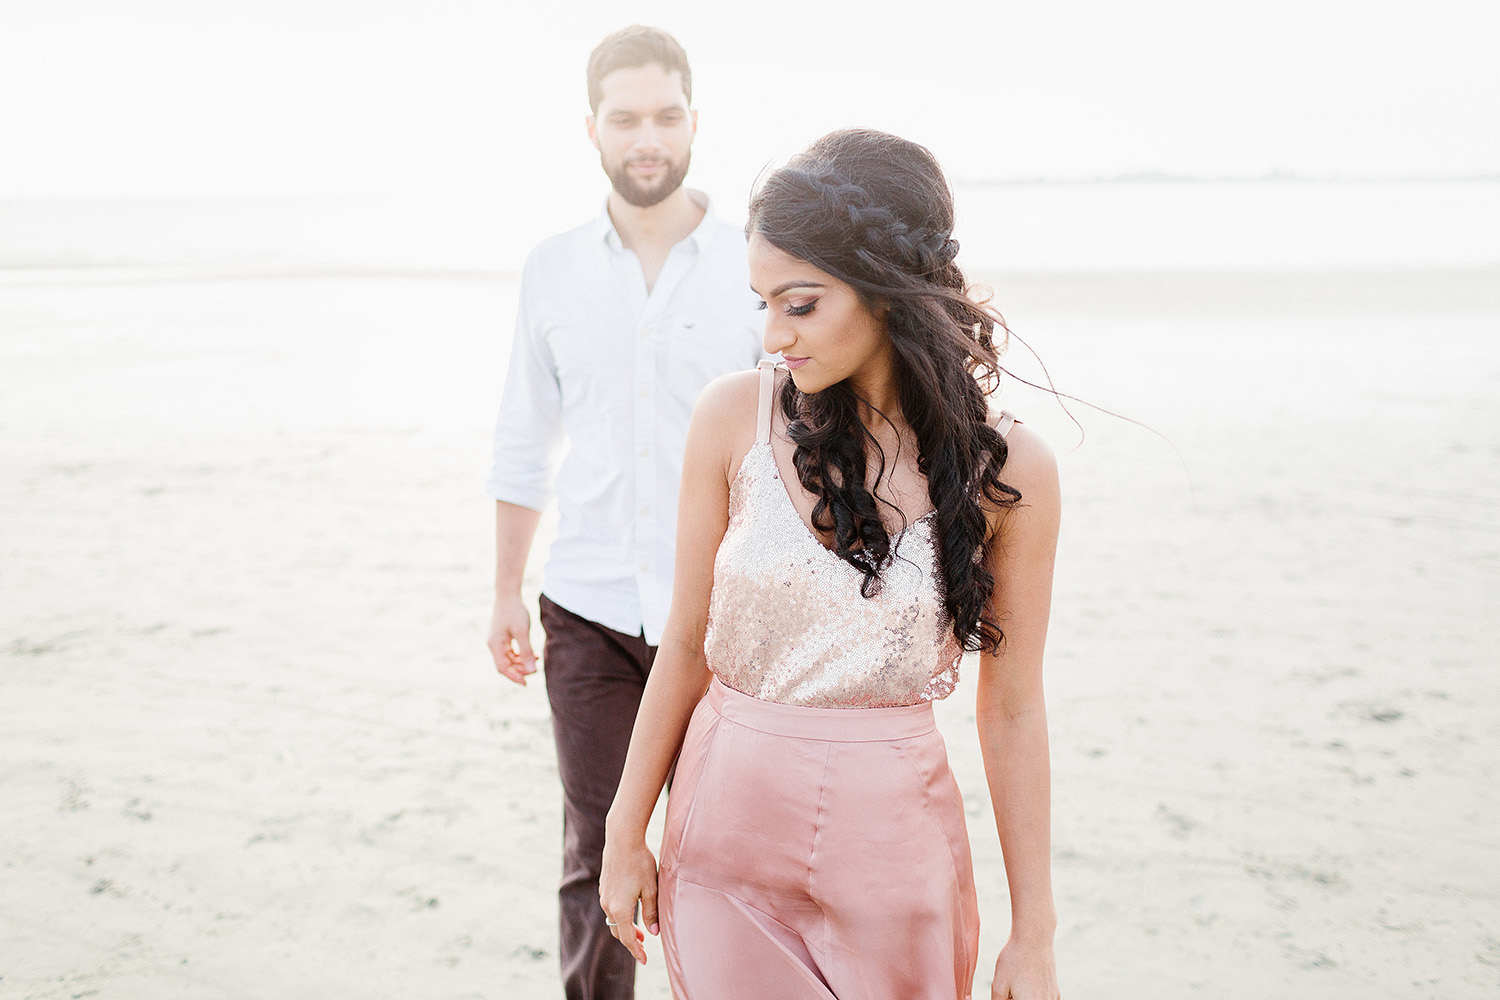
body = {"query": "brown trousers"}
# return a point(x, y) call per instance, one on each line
point(594, 677)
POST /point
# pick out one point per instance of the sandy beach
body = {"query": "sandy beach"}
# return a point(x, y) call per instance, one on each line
point(254, 748)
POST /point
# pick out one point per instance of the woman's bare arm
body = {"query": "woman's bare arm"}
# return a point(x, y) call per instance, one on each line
point(1012, 715)
point(720, 433)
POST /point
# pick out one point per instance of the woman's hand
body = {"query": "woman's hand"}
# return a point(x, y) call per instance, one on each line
point(679, 674)
point(628, 878)
point(1025, 972)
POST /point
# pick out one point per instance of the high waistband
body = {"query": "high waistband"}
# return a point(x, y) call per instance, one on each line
point(838, 725)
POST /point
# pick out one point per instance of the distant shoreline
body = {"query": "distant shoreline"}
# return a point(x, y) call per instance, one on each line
point(958, 181)
point(1275, 177)
point(1436, 290)
point(1140, 222)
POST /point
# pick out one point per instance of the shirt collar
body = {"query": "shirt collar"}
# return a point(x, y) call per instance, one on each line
point(699, 238)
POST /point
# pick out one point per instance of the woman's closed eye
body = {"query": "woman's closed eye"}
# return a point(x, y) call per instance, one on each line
point(801, 310)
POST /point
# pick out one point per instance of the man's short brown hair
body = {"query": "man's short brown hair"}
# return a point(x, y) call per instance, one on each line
point(637, 45)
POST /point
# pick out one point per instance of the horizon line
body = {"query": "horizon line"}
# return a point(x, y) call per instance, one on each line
point(1273, 176)
point(958, 181)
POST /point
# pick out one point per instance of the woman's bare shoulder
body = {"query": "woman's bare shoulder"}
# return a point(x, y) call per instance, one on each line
point(729, 400)
point(1028, 457)
point(724, 418)
point(1031, 468)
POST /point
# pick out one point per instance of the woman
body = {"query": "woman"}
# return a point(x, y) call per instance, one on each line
point(846, 530)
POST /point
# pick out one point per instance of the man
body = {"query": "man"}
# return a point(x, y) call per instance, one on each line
point(622, 322)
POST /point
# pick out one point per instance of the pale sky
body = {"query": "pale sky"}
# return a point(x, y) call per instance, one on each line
point(167, 98)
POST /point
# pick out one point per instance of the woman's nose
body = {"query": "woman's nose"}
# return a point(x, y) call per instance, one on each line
point(777, 338)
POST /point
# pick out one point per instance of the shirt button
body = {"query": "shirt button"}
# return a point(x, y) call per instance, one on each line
point(645, 511)
point(645, 452)
point(645, 567)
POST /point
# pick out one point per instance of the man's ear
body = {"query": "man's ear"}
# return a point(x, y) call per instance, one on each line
point(693, 112)
point(592, 124)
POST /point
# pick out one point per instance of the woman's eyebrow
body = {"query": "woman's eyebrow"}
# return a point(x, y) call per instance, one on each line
point(787, 286)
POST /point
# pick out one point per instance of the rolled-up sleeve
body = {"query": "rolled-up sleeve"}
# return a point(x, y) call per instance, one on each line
point(528, 430)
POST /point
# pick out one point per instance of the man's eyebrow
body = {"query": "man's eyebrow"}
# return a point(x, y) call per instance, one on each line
point(635, 113)
point(787, 286)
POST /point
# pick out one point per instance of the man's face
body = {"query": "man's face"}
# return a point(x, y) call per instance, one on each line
point(644, 132)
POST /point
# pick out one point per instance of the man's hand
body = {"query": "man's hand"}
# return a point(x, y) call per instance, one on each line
point(510, 639)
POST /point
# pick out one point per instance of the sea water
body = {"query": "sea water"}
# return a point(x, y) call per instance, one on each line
point(1014, 226)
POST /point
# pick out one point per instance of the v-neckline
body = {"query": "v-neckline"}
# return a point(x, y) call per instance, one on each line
point(786, 495)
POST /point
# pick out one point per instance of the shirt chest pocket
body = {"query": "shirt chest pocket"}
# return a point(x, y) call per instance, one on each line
point(698, 352)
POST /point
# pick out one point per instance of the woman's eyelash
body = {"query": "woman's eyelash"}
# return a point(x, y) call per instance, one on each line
point(791, 310)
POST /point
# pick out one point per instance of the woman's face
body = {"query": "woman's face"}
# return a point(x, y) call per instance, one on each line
point(814, 320)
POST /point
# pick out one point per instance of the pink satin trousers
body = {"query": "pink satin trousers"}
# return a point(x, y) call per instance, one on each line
point(816, 854)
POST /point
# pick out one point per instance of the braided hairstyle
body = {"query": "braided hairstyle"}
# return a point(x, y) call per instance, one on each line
point(875, 211)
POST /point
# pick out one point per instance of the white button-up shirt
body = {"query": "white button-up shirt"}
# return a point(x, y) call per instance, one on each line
point(616, 371)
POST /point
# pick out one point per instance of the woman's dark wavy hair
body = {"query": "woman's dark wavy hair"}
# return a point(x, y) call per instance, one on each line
point(875, 211)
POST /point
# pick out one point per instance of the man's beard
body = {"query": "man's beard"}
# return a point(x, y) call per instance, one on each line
point(643, 197)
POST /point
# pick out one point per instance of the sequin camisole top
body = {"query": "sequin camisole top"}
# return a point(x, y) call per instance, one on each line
point(786, 620)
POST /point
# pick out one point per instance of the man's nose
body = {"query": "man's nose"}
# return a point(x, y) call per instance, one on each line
point(648, 136)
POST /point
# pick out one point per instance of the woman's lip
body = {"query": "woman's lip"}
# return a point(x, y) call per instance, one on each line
point(793, 362)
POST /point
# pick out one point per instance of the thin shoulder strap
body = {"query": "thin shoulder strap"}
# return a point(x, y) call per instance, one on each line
point(1003, 421)
point(763, 410)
